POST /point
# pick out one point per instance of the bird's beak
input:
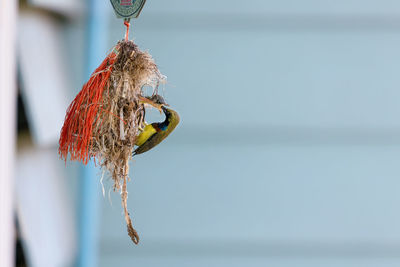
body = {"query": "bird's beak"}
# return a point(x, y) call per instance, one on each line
point(144, 100)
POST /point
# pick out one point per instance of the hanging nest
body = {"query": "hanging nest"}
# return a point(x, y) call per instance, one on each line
point(104, 119)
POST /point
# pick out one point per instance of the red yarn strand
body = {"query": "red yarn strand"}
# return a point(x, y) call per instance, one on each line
point(127, 24)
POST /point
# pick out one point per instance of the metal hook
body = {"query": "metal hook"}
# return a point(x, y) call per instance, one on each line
point(127, 9)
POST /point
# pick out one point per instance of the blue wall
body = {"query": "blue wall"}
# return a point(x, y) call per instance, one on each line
point(289, 144)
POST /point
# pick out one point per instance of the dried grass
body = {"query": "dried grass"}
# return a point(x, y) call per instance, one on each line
point(119, 115)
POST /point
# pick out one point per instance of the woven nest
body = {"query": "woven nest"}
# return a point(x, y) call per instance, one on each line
point(104, 119)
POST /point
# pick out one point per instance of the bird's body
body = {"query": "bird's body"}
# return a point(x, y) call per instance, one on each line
point(147, 132)
point(155, 133)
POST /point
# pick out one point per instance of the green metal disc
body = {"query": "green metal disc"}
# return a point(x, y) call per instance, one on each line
point(128, 8)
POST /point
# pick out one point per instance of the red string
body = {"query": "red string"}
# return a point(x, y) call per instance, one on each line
point(127, 24)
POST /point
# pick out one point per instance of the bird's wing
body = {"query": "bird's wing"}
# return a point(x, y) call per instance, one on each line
point(147, 132)
point(151, 142)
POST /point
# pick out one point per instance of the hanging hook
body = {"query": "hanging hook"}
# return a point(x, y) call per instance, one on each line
point(128, 8)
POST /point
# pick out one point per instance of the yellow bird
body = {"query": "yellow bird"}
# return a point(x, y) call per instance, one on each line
point(155, 133)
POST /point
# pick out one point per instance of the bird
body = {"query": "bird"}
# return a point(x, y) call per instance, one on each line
point(155, 133)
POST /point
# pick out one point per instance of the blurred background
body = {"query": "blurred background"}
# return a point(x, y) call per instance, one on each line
point(287, 153)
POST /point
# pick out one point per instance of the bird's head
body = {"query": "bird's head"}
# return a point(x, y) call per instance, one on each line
point(157, 99)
